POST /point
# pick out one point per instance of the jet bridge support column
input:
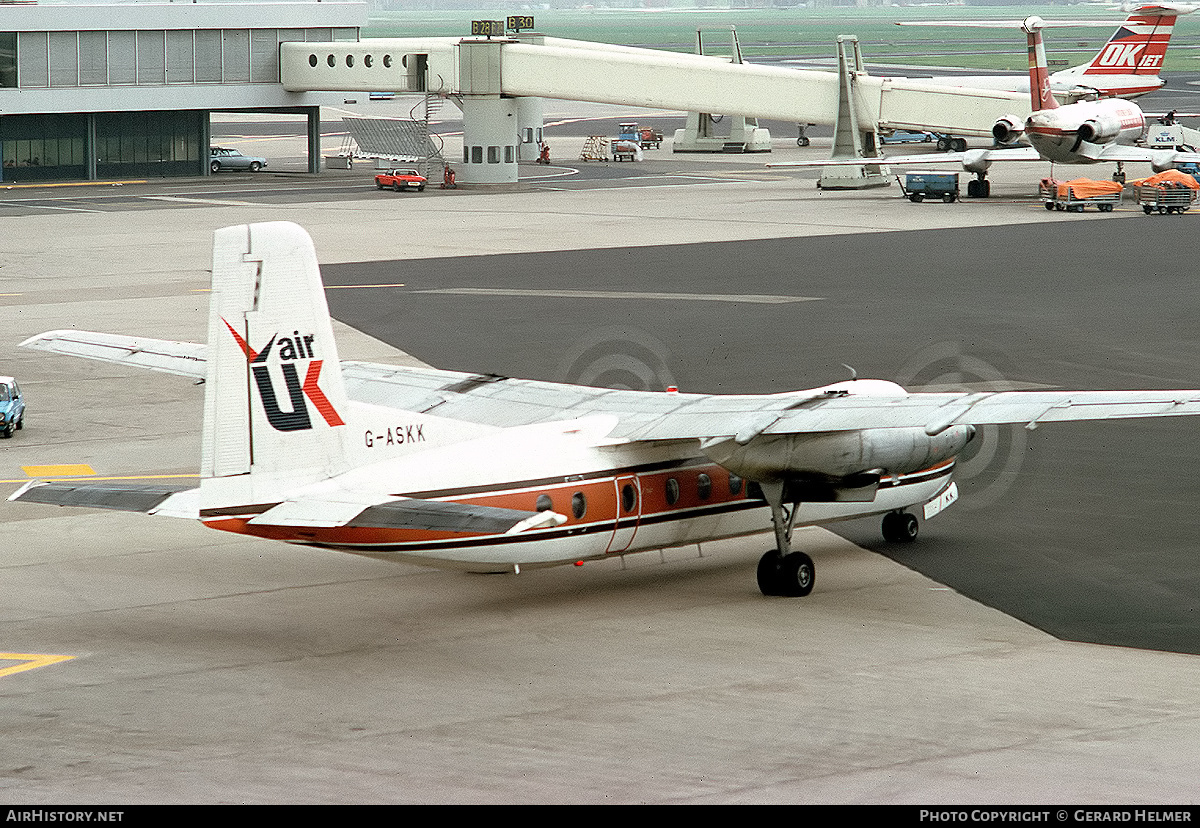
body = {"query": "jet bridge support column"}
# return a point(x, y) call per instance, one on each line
point(490, 138)
point(530, 118)
point(849, 139)
point(698, 134)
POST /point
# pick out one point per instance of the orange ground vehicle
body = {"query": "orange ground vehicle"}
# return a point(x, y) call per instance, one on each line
point(400, 179)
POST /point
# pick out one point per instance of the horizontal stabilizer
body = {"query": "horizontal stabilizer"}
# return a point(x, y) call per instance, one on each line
point(150, 498)
point(183, 358)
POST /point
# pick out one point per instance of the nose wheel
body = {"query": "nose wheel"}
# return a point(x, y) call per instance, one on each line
point(900, 527)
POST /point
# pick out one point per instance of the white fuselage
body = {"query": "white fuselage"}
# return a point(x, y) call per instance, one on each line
point(1063, 134)
point(617, 499)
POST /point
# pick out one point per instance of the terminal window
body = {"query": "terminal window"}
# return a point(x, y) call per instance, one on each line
point(8, 59)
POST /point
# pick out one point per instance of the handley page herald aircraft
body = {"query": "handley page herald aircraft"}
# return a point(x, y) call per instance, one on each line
point(491, 474)
point(1086, 132)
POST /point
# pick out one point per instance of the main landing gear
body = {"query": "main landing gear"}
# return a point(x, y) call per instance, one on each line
point(791, 574)
point(781, 571)
point(979, 187)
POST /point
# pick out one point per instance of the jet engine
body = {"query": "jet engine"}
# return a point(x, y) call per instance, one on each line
point(1008, 129)
point(831, 464)
point(1099, 130)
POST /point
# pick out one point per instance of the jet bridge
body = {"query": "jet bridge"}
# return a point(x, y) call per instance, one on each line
point(496, 82)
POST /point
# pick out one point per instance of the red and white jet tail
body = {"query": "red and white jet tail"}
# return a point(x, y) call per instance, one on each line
point(1039, 74)
point(274, 405)
point(1129, 63)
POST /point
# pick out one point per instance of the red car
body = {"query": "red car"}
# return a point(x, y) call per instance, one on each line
point(400, 180)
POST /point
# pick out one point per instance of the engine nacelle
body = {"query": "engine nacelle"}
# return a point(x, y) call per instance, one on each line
point(1099, 130)
point(839, 455)
point(1008, 129)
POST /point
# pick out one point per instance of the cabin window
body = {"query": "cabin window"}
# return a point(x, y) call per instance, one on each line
point(578, 505)
point(628, 497)
point(672, 491)
point(544, 504)
point(735, 484)
point(704, 486)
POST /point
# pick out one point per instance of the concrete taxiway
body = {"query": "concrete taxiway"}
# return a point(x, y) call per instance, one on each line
point(209, 668)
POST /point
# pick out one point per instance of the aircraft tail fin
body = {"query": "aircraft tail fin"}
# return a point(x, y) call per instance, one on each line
point(275, 403)
point(1138, 46)
point(1039, 73)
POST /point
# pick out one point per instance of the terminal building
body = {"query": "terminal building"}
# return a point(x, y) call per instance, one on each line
point(126, 89)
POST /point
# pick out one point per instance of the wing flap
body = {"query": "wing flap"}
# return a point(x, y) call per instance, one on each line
point(447, 516)
point(405, 513)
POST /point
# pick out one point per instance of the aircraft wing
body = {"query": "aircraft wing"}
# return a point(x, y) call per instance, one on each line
point(184, 358)
point(1022, 153)
point(1159, 158)
point(932, 412)
point(644, 415)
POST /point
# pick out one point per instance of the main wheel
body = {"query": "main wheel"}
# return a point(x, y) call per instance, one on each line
point(215, 166)
point(255, 166)
point(1147, 209)
point(787, 576)
point(395, 188)
point(900, 527)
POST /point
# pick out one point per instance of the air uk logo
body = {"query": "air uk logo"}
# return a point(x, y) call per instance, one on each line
point(292, 349)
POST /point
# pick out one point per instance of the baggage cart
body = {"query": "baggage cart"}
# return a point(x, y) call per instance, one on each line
point(1163, 198)
point(1074, 196)
point(920, 185)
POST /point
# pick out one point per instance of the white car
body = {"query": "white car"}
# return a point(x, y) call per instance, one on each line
point(224, 158)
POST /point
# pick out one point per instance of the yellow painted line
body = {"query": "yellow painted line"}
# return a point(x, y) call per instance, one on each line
point(351, 287)
point(62, 470)
point(30, 661)
point(86, 479)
